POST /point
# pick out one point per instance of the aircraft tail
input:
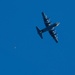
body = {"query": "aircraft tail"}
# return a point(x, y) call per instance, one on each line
point(39, 32)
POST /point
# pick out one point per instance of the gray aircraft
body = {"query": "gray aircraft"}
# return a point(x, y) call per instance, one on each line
point(49, 27)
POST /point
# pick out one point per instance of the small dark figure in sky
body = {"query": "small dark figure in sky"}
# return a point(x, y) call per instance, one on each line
point(49, 27)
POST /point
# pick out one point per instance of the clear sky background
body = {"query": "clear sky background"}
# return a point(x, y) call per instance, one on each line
point(22, 52)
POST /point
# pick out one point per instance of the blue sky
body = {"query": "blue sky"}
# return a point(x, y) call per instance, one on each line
point(22, 52)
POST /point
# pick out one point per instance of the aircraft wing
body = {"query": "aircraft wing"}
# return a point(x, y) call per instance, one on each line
point(53, 34)
point(46, 19)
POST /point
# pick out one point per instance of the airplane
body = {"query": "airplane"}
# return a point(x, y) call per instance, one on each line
point(49, 27)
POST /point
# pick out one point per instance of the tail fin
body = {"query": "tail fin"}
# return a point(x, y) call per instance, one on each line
point(39, 32)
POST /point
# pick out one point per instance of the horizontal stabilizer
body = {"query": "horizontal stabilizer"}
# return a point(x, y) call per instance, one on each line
point(39, 32)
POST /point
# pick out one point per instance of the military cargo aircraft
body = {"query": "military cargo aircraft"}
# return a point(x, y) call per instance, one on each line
point(49, 27)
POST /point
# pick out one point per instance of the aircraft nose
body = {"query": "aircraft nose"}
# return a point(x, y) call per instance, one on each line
point(58, 23)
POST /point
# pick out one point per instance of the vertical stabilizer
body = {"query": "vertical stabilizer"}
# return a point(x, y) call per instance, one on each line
point(39, 32)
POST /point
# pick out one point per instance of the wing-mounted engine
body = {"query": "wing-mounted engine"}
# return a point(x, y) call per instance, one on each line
point(54, 35)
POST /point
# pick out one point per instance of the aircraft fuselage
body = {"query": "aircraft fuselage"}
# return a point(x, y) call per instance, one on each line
point(50, 27)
